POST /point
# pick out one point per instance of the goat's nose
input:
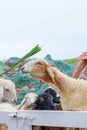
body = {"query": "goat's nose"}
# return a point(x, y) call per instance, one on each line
point(14, 101)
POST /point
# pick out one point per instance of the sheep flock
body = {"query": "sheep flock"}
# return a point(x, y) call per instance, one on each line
point(66, 93)
point(46, 101)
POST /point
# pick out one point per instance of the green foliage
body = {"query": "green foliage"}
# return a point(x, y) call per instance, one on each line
point(73, 61)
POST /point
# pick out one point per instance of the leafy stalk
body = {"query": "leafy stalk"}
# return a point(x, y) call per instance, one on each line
point(35, 50)
point(35, 73)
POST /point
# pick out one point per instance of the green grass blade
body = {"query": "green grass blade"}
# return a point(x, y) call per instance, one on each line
point(35, 50)
point(34, 73)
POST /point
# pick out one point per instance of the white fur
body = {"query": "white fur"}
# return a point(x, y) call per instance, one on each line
point(7, 91)
point(28, 100)
point(73, 92)
point(7, 106)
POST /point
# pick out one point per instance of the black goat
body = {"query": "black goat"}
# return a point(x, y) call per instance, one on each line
point(45, 102)
point(56, 97)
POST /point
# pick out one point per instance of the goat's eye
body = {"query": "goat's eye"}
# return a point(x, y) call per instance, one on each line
point(7, 90)
point(41, 99)
point(39, 63)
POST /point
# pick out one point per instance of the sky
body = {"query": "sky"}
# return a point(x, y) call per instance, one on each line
point(60, 26)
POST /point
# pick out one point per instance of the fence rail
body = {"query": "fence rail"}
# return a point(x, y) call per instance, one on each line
point(23, 120)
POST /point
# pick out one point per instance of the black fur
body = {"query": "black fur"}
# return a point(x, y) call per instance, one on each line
point(56, 99)
point(45, 102)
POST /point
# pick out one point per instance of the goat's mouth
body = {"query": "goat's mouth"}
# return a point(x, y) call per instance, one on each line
point(9, 101)
point(32, 106)
point(14, 101)
point(33, 73)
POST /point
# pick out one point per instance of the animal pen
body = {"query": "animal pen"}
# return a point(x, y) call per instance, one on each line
point(24, 120)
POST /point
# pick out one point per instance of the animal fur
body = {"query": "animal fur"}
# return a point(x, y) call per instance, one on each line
point(28, 101)
point(45, 102)
point(7, 91)
point(55, 95)
point(73, 92)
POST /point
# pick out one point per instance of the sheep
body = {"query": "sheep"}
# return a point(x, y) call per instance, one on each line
point(32, 99)
point(45, 101)
point(72, 91)
point(7, 91)
point(56, 97)
point(66, 86)
point(42, 102)
point(28, 101)
point(5, 107)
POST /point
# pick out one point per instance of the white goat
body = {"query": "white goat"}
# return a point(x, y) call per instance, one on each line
point(73, 92)
point(7, 91)
point(28, 101)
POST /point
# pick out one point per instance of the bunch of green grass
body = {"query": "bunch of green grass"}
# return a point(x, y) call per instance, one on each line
point(35, 50)
point(34, 73)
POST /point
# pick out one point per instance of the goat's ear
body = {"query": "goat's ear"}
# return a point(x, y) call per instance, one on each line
point(50, 73)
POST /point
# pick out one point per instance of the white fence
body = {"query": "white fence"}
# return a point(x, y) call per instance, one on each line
point(23, 120)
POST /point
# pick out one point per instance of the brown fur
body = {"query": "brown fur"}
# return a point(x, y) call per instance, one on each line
point(72, 91)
